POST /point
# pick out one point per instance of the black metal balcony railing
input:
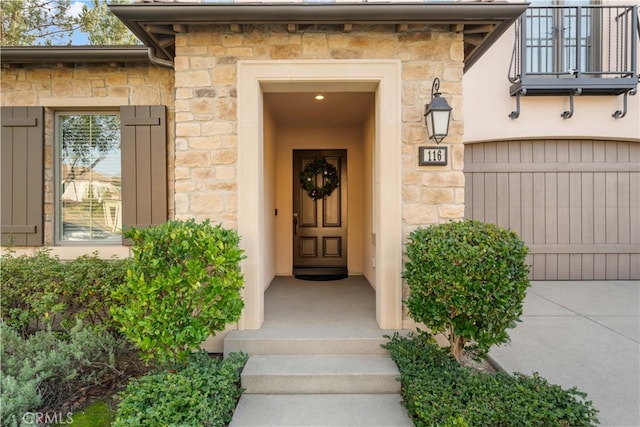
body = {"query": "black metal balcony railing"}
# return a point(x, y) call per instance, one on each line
point(576, 50)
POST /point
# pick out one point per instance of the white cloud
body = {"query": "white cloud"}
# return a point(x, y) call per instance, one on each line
point(75, 9)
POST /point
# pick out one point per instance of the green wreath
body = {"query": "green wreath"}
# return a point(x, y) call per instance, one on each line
point(329, 177)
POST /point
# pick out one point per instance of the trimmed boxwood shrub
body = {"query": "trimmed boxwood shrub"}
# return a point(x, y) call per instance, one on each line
point(437, 391)
point(202, 393)
point(183, 285)
point(468, 280)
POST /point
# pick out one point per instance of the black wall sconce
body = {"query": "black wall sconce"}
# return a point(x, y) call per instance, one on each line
point(437, 114)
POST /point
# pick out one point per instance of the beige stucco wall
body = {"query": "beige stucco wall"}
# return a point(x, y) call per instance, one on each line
point(271, 171)
point(86, 87)
point(368, 236)
point(303, 137)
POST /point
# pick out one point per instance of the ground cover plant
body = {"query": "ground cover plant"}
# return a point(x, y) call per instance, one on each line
point(438, 391)
point(202, 392)
point(67, 325)
point(59, 349)
point(468, 280)
point(53, 372)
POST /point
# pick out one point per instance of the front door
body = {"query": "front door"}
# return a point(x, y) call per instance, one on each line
point(319, 213)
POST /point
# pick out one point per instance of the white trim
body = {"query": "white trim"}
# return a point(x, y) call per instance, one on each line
point(383, 76)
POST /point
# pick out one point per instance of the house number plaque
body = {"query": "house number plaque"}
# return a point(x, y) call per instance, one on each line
point(433, 156)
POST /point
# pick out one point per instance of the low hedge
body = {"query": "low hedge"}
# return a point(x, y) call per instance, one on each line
point(437, 391)
point(203, 393)
point(41, 290)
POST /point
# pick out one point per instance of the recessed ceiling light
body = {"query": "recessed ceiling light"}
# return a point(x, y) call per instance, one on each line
point(319, 97)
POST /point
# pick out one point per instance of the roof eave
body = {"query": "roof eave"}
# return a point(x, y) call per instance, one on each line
point(73, 54)
point(221, 13)
point(139, 17)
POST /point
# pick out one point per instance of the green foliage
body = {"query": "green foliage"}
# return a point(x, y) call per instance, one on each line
point(467, 279)
point(42, 290)
point(184, 285)
point(88, 284)
point(47, 22)
point(98, 414)
point(26, 22)
point(203, 393)
point(103, 27)
point(438, 391)
point(328, 178)
point(17, 397)
point(46, 368)
point(24, 288)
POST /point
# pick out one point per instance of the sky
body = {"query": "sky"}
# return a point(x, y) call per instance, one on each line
point(79, 38)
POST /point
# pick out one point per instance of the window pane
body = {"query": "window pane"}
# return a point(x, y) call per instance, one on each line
point(558, 40)
point(90, 177)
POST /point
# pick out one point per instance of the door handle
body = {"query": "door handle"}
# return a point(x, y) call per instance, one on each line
point(295, 223)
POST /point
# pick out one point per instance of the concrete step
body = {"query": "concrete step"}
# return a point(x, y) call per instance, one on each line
point(327, 410)
point(280, 374)
point(254, 343)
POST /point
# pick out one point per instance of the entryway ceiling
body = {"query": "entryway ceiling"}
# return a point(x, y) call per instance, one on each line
point(337, 108)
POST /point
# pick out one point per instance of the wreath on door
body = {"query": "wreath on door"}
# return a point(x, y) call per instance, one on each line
point(330, 179)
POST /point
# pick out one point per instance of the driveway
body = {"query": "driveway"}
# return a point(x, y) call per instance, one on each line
point(584, 334)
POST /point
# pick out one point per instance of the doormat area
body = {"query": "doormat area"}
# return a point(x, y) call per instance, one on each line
point(321, 277)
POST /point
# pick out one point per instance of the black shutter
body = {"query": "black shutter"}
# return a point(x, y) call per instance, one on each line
point(144, 165)
point(22, 174)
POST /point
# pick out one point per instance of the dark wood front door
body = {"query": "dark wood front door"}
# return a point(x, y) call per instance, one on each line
point(319, 226)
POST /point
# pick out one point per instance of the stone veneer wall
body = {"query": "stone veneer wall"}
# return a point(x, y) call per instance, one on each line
point(87, 87)
point(206, 108)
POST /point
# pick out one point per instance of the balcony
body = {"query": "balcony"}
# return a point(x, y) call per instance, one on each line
point(576, 50)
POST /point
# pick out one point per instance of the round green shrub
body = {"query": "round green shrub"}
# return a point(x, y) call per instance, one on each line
point(468, 280)
point(183, 285)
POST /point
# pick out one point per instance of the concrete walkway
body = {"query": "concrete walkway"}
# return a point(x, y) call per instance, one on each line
point(317, 360)
point(584, 334)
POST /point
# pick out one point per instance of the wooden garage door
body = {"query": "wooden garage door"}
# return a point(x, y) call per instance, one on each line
point(575, 203)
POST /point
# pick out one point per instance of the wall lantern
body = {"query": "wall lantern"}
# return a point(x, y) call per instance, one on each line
point(437, 114)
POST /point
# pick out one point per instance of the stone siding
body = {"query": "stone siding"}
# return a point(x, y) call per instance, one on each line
point(206, 108)
point(84, 87)
point(202, 111)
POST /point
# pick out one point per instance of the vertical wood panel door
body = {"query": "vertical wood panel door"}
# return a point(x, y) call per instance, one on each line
point(319, 226)
point(575, 203)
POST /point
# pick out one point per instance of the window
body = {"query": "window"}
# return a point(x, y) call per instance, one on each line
point(561, 40)
point(576, 48)
point(89, 177)
point(110, 173)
